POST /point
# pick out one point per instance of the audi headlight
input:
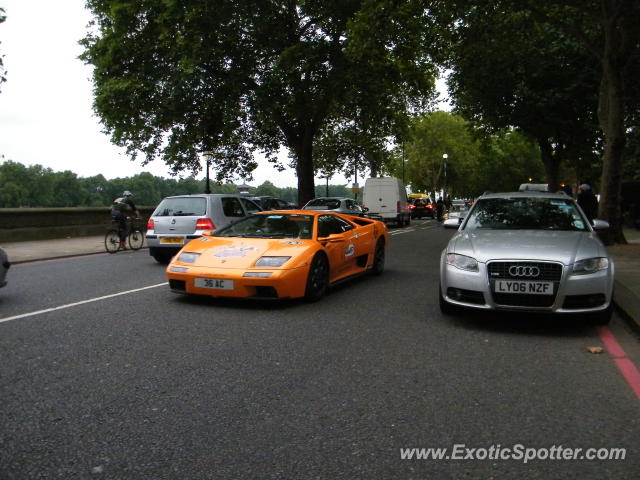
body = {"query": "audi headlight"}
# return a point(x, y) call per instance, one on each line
point(462, 262)
point(271, 261)
point(188, 257)
point(590, 265)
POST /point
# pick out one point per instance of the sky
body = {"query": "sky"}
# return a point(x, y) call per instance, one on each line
point(46, 114)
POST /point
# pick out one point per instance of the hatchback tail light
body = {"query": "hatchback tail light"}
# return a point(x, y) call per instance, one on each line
point(205, 224)
point(150, 224)
point(411, 207)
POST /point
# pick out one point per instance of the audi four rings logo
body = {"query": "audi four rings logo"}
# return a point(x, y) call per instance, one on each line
point(519, 271)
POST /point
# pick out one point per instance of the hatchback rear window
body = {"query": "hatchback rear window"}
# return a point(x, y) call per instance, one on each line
point(181, 207)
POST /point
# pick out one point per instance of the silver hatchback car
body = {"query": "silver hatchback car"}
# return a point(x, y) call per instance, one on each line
point(178, 220)
point(347, 206)
point(527, 251)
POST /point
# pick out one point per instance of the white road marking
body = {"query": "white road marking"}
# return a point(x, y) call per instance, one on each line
point(69, 305)
point(398, 232)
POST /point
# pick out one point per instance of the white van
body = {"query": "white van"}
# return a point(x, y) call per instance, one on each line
point(386, 197)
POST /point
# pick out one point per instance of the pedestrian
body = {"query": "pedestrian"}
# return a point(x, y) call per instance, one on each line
point(439, 209)
point(588, 201)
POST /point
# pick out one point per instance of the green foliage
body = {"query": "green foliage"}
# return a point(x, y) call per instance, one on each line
point(476, 161)
point(3, 17)
point(36, 186)
point(513, 70)
point(174, 79)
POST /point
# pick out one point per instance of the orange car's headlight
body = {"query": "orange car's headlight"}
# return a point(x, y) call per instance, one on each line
point(271, 261)
point(188, 257)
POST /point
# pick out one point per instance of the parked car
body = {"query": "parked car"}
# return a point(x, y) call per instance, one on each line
point(386, 198)
point(457, 210)
point(534, 187)
point(273, 203)
point(4, 267)
point(285, 254)
point(421, 207)
point(180, 219)
point(527, 251)
point(347, 206)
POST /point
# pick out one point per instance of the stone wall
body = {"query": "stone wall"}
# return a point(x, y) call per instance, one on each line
point(18, 224)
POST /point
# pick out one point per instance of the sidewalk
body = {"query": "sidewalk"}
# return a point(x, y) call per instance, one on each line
point(20, 252)
point(625, 257)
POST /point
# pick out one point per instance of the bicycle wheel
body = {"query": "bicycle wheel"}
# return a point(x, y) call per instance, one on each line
point(136, 239)
point(112, 241)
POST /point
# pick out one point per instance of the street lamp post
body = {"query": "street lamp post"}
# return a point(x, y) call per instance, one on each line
point(403, 180)
point(444, 189)
point(208, 156)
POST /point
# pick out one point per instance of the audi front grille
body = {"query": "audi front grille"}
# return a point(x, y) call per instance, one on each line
point(527, 271)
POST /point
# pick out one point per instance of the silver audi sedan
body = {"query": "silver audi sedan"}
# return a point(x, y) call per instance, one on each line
point(527, 251)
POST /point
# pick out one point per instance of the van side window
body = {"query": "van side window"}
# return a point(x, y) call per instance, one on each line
point(231, 207)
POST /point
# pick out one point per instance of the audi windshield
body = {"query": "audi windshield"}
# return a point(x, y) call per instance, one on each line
point(526, 213)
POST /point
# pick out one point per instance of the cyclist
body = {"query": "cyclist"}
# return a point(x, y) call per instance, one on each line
point(119, 210)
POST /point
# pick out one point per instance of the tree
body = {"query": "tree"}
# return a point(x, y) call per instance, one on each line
point(431, 137)
point(267, 189)
point(508, 159)
point(606, 32)
point(232, 77)
point(512, 70)
point(3, 79)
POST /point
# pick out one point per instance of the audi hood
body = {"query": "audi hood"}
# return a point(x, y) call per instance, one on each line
point(551, 245)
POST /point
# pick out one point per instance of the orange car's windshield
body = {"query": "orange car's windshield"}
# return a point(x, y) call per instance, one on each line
point(270, 226)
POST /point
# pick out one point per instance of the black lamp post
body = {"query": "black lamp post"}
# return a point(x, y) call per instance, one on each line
point(444, 190)
point(208, 156)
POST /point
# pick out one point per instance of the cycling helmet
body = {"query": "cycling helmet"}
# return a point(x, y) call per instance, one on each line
point(127, 193)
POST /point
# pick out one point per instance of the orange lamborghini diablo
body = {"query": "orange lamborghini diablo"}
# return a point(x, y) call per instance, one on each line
point(279, 254)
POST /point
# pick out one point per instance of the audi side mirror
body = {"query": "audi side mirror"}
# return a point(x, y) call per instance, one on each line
point(600, 224)
point(452, 223)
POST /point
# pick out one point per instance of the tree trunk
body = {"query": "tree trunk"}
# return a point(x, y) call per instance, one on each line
point(551, 164)
point(304, 169)
point(611, 115)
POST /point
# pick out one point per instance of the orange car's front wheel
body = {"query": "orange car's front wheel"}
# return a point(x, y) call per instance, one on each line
point(318, 279)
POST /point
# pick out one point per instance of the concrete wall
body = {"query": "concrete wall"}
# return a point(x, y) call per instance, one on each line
point(18, 224)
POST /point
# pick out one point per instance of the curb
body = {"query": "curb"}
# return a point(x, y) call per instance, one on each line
point(627, 304)
point(70, 255)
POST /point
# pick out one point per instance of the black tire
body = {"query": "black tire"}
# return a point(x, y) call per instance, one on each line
point(378, 258)
point(408, 221)
point(318, 278)
point(161, 255)
point(112, 241)
point(136, 240)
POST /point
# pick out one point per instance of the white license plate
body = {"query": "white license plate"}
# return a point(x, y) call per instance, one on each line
point(528, 287)
point(215, 283)
point(172, 240)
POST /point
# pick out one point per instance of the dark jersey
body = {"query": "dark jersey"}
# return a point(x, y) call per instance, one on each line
point(122, 205)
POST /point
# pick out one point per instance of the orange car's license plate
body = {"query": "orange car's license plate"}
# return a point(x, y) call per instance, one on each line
point(179, 240)
point(216, 283)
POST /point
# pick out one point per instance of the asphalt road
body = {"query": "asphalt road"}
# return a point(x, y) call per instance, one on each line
point(152, 385)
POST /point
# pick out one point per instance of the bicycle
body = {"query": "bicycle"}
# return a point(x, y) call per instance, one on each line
point(134, 236)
